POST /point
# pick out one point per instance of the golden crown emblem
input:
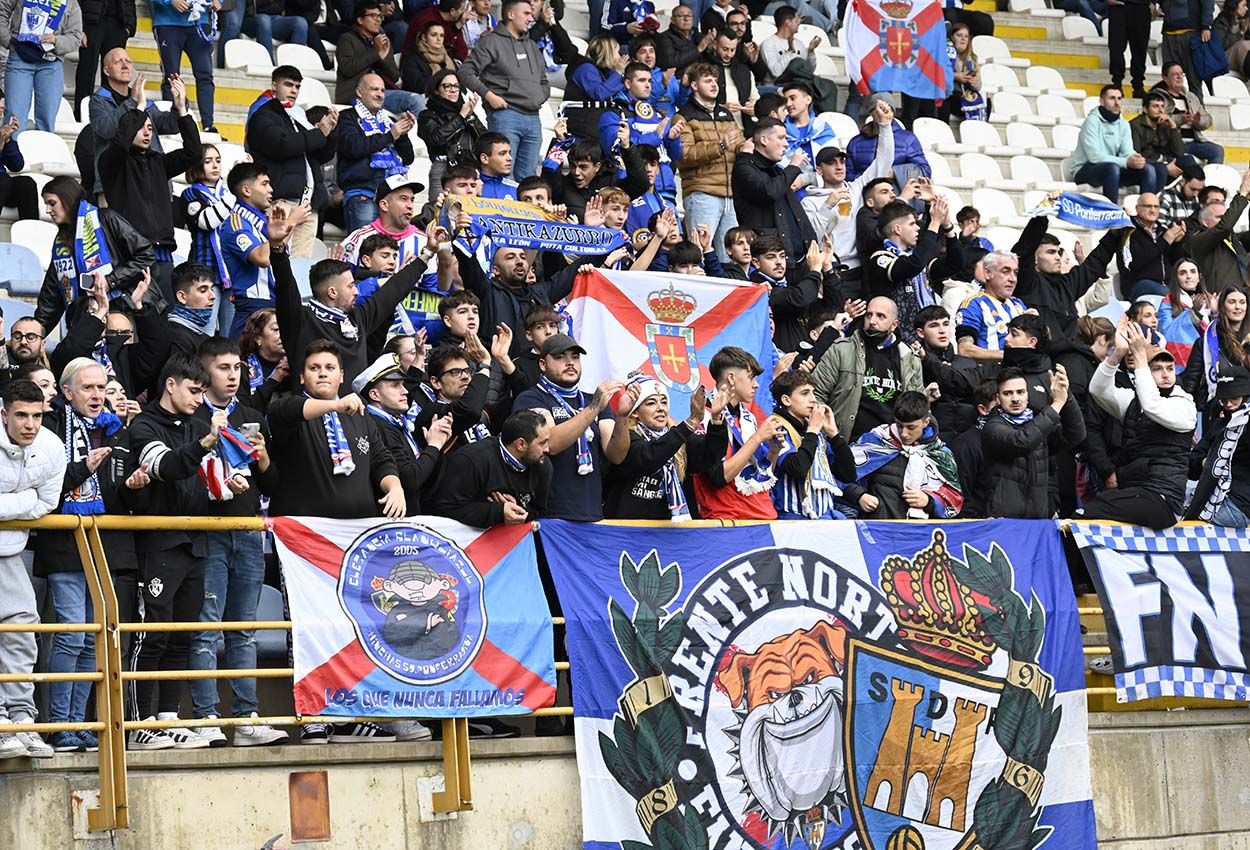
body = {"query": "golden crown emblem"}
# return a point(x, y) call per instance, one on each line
point(938, 615)
point(671, 305)
point(899, 9)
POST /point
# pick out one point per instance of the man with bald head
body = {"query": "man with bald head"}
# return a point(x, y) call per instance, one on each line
point(1148, 251)
point(123, 91)
point(106, 27)
point(861, 375)
point(371, 147)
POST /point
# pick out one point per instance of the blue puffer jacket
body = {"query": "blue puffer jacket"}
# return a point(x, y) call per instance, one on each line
point(1187, 14)
point(907, 151)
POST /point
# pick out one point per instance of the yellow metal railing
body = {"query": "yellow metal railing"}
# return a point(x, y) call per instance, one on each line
point(111, 725)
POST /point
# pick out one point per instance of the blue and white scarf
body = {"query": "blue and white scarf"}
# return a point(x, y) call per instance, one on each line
point(331, 315)
point(86, 498)
point(407, 424)
point(205, 20)
point(90, 252)
point(386, 160)
point(100, 354)
point(585, 460)
point(758, 475)
point(336, 442)
point(920, 286)
point(256, 372)
point(196, 319)
point(510, 459)
point(211, 195)
point(677, 507)
point(40, 18)
point(1019, 418)
point(1211, 351)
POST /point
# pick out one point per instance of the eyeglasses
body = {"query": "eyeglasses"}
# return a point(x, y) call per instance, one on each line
point(377, 15)
point(459, 372)
point(18, 336)
point(450, 87)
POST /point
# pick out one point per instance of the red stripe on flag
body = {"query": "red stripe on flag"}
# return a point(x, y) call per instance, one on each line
point(626, 312)
point(728, 309)
point(871, 64)
point(930, 68)
point(870, 16)
point(927, 17)
point(344, 669)
point(490, 548)
point(503, 671)
point(309, 545)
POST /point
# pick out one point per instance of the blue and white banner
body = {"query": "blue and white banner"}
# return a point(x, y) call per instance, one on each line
point(1075, 208)
point(815, 685)
point(1177, 606)
point(514, 224)
point(419, 618)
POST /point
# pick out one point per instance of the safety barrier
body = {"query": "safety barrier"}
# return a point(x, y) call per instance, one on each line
point(111, 724)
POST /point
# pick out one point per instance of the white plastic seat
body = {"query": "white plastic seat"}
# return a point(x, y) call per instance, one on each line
point(306, 59)
point(66, 123)
point(22, 272)
point(1009, 106)
point(762, 28)
point(1035, 172)
point(983, 136)
point(1035, 8)
point(314, 93)
point(937, 135)
point(231, 154)
point(1076, 28)
point(1029, 137)
point(996, 78)
point(985, 171)
point(993, 49)
point(38, 236)
point(1058, 108)
point(844, 126)
point(1228, 90)
point(942, 174)
point(1239, 116)
point(1050, 81)
point(241, 53)
point(997, 208)
point(1002, 238)
point(954, 200)
point(47, 153)
point(826, 65)
point(1066, 137)
point(1217, 175)
point(1089, 104)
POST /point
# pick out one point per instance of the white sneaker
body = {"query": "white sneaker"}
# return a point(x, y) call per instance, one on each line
point(409, 730)
point(149, 739)
point(259, 735)
point(36, 747)
point(212, 734)
point(187, 739)
point(10, 746)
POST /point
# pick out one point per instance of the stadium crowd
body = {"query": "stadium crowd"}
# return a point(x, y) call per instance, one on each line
point(921, 372)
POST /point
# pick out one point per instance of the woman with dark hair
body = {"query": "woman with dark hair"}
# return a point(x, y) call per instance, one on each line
point(264, 358)
point(448, 126)
point(426, 58)
point(1232, 27)
point(205, 205)
point(88, 240)
point(1224, 339)
point(1184, 311)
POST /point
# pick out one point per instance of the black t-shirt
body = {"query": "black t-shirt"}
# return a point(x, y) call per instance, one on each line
point(573, 496)
point(883, 381)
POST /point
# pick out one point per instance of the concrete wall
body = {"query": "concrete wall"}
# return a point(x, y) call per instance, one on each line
point(1162, 781)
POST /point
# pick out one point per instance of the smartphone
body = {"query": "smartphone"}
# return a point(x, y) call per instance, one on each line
point(249, 430)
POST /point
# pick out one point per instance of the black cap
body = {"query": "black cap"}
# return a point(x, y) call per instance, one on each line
point(1232, 381)
point(560, 343)
point(828, 154)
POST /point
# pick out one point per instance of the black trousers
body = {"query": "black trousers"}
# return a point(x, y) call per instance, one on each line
point(1128, 26)
point(979, 23)
point(102, 37)
point(18, 190)
point(1135, 505)
point(171, 591)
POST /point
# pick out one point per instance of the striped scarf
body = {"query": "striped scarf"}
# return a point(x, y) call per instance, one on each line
point(758, 475)
point(336, 443)
point(406, 424)
point(86, 498)
point(677, 507)
point(564, 397)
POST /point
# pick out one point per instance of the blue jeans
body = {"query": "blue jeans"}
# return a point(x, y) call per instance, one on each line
point(716, 213)
point(265, 28)
point(525, 134)
point(171, 43)
point(223, 307)
point(1229, 515)
point(243, 309)
point(821, 12)
point(231, 25)
point(233, 574)
point(1209, 151)
point(399, 101)
point(72, 652)
point(1091, 10)
point(358, 211)
point(44, 82)
point(1109, 176)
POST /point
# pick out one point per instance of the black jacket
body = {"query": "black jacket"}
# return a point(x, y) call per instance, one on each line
point(673, 50)
point(760, 190)
point(634, 184)
point(743, 76)
point(634, 488)
point(136, 180)
point(136, 366)
point(1145, 256)
point(1054, 295)
point(300, 326)
point(957, 377)
point(447, 133)
point(415, 471)
point(1015, 471)
point(469, 477)
point(131, 252)
point(355, 149)
point(122, 10)
point(790, 305)
point(170, 446)
point(893, 274)
point(968, 458)
point(288, 151)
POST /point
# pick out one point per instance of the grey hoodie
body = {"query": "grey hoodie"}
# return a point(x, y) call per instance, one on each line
point(513, 68)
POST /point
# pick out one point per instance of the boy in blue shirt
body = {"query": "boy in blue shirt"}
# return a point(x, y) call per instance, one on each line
point(813, 458)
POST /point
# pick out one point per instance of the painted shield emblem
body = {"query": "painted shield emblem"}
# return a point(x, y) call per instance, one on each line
point(913, 730)
point(898, 41)
point(673, 356)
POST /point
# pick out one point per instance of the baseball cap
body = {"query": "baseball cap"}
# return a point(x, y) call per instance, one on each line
point(1158, 353)
point(385, 368)
point(828, 154)
point(1232, 381)
point(560, 343)
point(394, 183)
